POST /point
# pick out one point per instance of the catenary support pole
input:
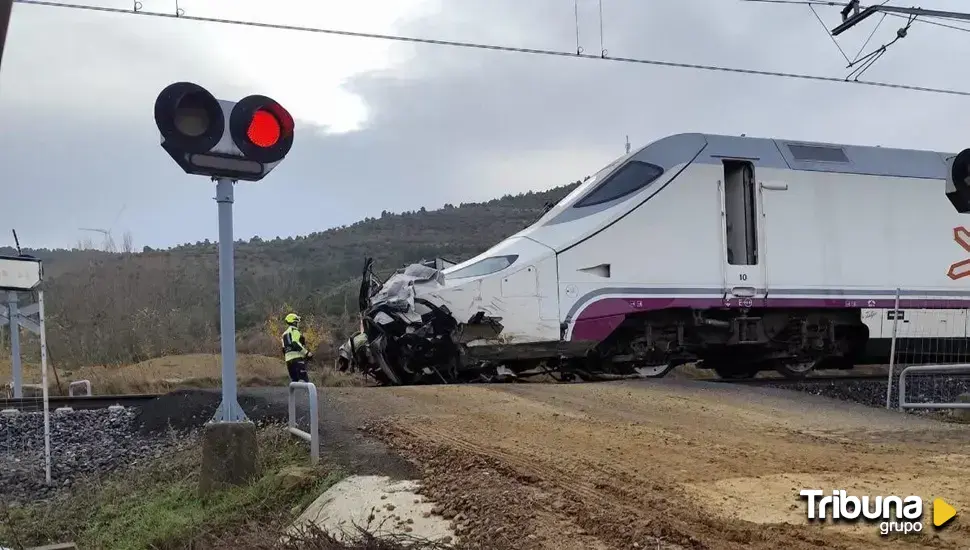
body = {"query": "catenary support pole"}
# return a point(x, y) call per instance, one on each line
point(229, 409)
point(13, 316)
point(43, 382)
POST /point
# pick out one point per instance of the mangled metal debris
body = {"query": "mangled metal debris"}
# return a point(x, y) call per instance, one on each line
point(409, 335)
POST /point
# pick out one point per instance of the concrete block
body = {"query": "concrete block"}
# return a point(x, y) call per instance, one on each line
point(229, 455)
point(962, 415)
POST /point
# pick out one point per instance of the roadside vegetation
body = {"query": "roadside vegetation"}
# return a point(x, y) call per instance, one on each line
point(165, 374)
point(157, 505)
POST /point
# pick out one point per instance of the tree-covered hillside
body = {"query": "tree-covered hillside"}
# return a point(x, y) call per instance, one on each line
point(120, 307)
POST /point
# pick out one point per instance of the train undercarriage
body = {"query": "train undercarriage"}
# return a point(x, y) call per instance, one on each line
point(408, 340)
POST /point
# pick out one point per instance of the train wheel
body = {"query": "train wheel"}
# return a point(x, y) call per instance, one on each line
point(795, 371)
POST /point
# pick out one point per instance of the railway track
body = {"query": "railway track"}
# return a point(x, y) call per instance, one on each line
point(806, 380)
point(76, 402)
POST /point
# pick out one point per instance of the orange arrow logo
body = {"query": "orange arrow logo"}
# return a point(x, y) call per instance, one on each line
point(960, 269)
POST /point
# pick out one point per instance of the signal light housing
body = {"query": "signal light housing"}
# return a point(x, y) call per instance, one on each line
point(958, 181)
point(261, 128)
point(206, 136)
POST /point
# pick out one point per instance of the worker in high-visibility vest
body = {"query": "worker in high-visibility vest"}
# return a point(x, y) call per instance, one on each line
point(295, 350)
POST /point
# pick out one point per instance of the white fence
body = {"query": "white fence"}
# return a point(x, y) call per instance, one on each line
point(928, 340)
point(25, 421)
point(930, 369)
point(313, 436)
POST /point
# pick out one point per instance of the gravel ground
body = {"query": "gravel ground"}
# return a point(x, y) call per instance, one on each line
point(190, 409)
point(83, 443)
point(920, 389)
point(95, 442)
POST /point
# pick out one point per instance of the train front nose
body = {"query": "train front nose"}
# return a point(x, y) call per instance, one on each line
point(510, 290)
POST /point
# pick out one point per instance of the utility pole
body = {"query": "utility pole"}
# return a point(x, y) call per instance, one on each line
point(6, 8)
point(628, 145)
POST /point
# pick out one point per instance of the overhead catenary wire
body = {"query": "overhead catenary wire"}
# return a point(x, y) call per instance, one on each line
point(868, 60)
point(924, 20)
point(496, 47)
point(834, 41)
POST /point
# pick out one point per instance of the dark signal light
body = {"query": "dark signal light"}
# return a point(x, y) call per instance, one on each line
point(189, 117)
point(958, 181)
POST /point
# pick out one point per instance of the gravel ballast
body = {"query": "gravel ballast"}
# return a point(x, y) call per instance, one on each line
point(96, 442)
point(83, 443)
point(872, 393)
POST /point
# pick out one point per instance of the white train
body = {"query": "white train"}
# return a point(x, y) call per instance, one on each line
point(741, 254)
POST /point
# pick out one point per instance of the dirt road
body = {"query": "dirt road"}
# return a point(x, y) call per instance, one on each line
point(665, 464)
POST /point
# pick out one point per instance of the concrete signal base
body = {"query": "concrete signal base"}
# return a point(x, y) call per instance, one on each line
point(229, 455)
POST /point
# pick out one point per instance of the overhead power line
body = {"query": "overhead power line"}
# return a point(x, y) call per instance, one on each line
point(180, 14)
point(853, 13)
point(926, 20)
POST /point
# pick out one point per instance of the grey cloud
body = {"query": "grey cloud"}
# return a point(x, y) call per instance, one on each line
point(449, 125)
point(481, 106)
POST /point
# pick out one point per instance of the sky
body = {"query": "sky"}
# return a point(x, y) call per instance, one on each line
point(395, 126)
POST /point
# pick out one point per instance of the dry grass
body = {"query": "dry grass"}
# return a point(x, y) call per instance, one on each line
point(201, 370)
point(173, 372)
point(156, 505)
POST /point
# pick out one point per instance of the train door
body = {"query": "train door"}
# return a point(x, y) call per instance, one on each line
point(744, 266)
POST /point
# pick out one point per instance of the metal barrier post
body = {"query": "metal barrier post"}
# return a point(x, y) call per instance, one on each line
point(313, 437)
point(892, 350)
point(903, 404)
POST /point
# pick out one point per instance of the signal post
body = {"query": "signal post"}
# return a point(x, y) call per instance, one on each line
point(227, 142)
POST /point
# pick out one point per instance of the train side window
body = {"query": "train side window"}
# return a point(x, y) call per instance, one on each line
point(630, 178)
point(740, 213)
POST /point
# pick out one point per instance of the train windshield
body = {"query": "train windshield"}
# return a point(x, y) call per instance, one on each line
point(632, 177)
point(485, 266)
point(581, 189)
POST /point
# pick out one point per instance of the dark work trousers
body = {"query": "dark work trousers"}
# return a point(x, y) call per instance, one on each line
point(297, 369)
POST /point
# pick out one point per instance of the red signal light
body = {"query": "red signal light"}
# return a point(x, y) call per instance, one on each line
point(264, 129)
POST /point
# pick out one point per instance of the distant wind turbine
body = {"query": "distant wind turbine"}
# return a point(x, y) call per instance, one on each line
point(108, 244)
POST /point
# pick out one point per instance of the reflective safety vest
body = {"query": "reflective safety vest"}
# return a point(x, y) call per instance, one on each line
point(294, 346)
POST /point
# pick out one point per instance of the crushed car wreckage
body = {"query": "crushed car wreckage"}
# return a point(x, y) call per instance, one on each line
point(404, 339)
point(408, 335)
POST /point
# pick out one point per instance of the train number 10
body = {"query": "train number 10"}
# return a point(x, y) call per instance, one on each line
point(744, 276)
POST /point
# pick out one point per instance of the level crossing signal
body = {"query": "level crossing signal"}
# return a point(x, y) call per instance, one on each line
point(958, 181)
point(241, 140)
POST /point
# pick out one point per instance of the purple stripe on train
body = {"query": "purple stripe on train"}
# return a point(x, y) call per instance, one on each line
point(600, 318)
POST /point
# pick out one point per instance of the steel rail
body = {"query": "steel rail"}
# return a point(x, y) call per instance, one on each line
point(77, 401)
